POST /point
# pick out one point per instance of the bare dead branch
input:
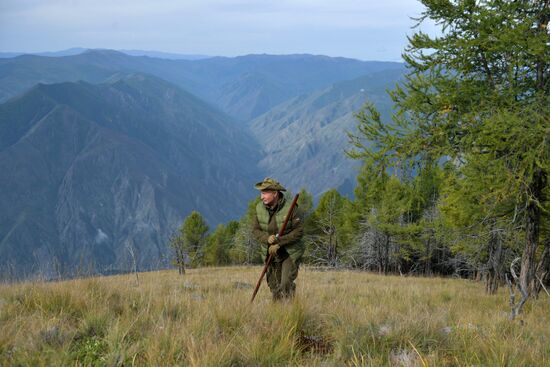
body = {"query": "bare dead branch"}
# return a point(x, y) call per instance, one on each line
point(542, 284)
point(516, 308)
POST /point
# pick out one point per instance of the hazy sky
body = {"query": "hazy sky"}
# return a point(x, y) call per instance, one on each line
point(367, 30)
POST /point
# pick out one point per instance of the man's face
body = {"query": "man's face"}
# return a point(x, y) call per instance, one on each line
point(268, 197)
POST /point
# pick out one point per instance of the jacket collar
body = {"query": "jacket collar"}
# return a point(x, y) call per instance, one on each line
point(280, 203)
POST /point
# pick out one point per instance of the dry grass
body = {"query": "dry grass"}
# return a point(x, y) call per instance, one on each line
point(205, 319)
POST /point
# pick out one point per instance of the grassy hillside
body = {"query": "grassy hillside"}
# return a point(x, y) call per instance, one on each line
point(205, 319)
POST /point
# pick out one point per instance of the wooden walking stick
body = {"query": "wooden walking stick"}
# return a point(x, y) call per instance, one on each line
point(281, 232)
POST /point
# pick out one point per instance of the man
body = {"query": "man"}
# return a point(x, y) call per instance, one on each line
point(288, 249)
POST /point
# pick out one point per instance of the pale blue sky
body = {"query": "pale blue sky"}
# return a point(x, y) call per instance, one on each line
point(367, 30)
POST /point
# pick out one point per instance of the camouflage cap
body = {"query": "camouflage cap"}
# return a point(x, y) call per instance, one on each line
point(269, 184)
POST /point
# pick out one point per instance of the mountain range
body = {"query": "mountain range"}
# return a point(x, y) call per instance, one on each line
point(79, 50)
point(104, 153)
point(305, 138)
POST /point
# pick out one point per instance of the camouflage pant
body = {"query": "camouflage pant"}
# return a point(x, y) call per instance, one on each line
point(281, 277)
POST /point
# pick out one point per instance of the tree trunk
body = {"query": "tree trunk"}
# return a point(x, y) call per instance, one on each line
point(543, 268)
point(330, 254)
point(379, 251)
point(532, 230)
point(427, 258)
point(180, 261)
point(335, 251)
point(248, 251)
point(386, 252)
point(494, 263)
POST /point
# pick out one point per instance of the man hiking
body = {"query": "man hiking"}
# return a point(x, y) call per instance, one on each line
point(288, 249)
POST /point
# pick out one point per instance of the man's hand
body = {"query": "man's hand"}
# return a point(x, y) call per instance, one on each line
point(273, 249)
point(272, 239)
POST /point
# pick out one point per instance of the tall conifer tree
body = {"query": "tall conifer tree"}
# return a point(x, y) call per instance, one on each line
point(477, 94)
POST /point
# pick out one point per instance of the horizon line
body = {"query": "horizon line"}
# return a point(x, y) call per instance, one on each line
point(197, 56)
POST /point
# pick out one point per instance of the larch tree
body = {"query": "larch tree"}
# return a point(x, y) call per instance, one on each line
point(325, 241)
point(218, 245)
point(188, 242)
point(245, 249)
point(477, 95)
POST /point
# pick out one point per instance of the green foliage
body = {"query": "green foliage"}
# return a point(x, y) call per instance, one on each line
point(89, 351)
point(306, 206)
point(327, 231)
point(190, 239)
point(305, 202)
point(245, 248)
point(478, 97)
point(371, 182)
point(193, 230)
point(219, 244)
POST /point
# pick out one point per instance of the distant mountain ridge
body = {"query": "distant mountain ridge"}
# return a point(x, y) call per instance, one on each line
point(106, 152)
point(67, 52)
point(304, 139)
point(79, 50)
point(243, 87)
point(97, 169)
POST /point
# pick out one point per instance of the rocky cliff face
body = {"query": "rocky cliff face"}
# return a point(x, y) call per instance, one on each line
point(304, 138)
point(93, 173)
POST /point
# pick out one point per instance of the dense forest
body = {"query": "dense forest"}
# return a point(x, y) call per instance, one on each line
point(456, 183)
